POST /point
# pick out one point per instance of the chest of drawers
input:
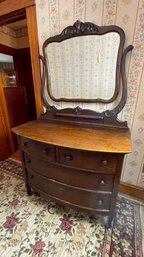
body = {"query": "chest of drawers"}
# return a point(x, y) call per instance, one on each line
point(82, 173)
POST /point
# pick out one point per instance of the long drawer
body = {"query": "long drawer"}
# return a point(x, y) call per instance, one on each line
point(38, 149)
point(69, 176)
point(88, 160)
point(82, 197)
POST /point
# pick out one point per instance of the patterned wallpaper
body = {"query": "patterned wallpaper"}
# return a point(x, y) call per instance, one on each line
point(54, 15)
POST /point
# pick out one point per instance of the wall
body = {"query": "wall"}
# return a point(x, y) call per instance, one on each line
point(54, 15)
point(15, 39)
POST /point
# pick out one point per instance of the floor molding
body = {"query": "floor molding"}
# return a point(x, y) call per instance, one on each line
point(131, 190)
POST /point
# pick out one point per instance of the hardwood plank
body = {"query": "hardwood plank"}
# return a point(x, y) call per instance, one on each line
point(91, 139)
point(34, 51)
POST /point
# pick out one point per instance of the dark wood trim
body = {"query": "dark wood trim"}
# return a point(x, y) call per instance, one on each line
point(10, 6)
point(84, 29)
point(12, 17)
point(7, 50)
point(115, 188)
point(77, 115)
point(131, 190)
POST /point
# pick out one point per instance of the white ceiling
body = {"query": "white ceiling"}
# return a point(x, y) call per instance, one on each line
point(6, 58)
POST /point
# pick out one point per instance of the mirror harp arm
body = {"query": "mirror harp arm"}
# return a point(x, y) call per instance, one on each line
point(120, 106)
point(43, 80)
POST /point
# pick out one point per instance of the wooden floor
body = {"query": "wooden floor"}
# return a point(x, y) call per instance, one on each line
point(16, 156)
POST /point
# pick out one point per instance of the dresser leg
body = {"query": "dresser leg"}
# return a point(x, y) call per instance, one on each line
point(28, 189)
point(110, 222)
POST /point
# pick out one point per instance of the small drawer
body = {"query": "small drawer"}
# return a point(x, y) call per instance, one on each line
point(69, 176)
point(73, 195)
point(40, 150)
point(100, 162)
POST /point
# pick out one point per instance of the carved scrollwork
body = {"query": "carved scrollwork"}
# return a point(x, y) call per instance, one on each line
point(77, 114)
point(80, 28)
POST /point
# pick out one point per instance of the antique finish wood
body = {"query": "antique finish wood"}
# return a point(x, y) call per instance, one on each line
point(108, 140)
point(81, 29)
point(76, 114)
point(72, 155)
point(79, 167)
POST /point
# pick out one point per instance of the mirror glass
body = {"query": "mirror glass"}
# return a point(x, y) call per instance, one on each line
point(83, 67)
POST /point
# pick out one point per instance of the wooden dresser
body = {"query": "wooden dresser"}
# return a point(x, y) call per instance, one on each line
point(74, 153)
point(76, 166)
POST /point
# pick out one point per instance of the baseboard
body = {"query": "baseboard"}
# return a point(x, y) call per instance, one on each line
point(131, 190)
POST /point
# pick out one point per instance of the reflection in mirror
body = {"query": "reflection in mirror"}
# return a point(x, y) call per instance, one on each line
point(7, 70)
point(83, 67)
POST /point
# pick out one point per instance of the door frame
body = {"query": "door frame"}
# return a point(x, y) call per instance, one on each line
point(5, 116)
point(11, 10)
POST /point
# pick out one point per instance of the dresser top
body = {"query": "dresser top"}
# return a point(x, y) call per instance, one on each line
point(99, 139)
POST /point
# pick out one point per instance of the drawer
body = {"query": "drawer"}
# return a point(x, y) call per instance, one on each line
point(38, 149)
point(102, 162)
point(70, 194)
point(69, 176)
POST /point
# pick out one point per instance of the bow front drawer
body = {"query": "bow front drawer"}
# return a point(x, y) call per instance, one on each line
point(103, 162)
point(70, 194)
point(40, 150)
point(78, 178)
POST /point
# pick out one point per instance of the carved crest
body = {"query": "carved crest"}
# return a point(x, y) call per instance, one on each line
point(80, 28)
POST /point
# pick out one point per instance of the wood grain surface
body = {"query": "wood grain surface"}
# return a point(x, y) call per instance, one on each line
point(91, 139)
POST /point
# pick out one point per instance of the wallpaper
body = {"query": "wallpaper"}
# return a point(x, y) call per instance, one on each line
point(54, 15)
point(72, 61)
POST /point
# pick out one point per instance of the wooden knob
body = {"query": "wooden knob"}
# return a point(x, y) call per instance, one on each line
point(46, 151)
point(102, 182)
point(28, 160)
point(32, 176)
point(68, 157)
point(100, 202)
point(104, 162)
point(25, 143)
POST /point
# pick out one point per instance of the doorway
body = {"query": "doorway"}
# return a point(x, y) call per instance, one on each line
point(17, 80)
point(10, 12)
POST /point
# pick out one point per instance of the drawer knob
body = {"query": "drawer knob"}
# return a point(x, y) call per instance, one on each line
point(104, 162)
point(32, 176)
point(68, 157)
point(25, 143)
point(45, 151)
point(28, 160)
point(102, 182)
point(100, 202)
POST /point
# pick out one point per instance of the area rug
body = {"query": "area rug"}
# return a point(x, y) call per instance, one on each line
point(33, 227)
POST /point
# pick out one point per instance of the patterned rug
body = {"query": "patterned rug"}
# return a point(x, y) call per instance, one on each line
point(33, 227)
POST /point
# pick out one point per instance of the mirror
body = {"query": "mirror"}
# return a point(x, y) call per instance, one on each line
point(83, 68)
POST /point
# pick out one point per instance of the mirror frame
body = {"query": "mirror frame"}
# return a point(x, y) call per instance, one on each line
point(78, 114)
